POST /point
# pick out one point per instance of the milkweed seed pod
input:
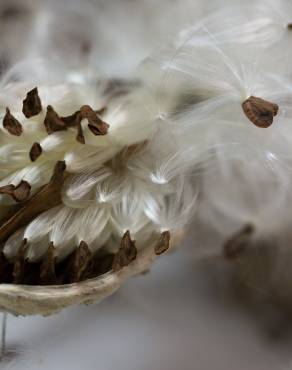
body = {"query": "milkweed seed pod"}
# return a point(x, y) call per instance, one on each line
point(81, 206)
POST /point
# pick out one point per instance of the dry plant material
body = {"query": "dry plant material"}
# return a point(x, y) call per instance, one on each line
point(53, 122)
point(35, 151)
point(78, 264)
point(32, 105)
point(20, 264)
point(126, 254)
point(163, 243)
point(47, 267)
point(95, 124)
point(19, 193)
point(75, 121)
point(237, 244)
point(46, 198)
point(259, 111)
point(11, 124)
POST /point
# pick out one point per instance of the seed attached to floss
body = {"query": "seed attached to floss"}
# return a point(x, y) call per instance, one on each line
point(11, 124)
point(95, 124)
point(259, 111)
point(19, 193)
point(47, 268)
point(237, 244)
point(46, 198)
point(32, 105)
point(35, 151)
point(53, 122)
point(126, 254)
point(20, 264)
point(79, 263)
point(163, 243)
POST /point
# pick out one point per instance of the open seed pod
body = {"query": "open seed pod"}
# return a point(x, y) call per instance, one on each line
point(81, 205)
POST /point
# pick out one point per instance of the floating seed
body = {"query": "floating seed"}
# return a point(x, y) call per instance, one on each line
point(238, 243)
point(11, 124)
point(53, 122)
point(163, 243)
point(95, 124)
point(126, 254)
point(32, 105)
point(259, 111)
point(35, 151)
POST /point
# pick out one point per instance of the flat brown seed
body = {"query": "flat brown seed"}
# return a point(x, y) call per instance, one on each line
point(35, 151)
point(73, 120)
point(47, 268)
point(53, 122)
point(237, 244)
point(32, 105)
point(7, 189)
point(11, 124)
point(80, 137)
point(126, 254)
point(80, 262)
point(259, 111)
point(163, 243)
point(46, 198)
point(21, 192)
point(95, 124)
point(20, 264)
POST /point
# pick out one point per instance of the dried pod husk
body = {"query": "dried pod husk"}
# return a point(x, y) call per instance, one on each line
point(46, 300)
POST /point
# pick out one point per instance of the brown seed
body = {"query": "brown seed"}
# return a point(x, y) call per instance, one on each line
point(32, 105)
point(95, 124)
point(47, 268)
point(259, 111)
point(46, 198)
point(289, 26)
point(20, 264)
point(35, 151)
point(126, 254)
point(11, 124)
point(163, 243)
point(237, 244)
point(79, 263)
point(75, 121)
point(19, 193)
point(53, 122)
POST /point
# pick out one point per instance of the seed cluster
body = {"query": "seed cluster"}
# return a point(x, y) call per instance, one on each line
point(81, 264)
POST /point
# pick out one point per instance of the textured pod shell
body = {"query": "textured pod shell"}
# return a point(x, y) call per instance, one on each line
point(46, 300)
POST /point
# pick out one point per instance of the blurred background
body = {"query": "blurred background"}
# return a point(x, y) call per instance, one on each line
point(187, 313)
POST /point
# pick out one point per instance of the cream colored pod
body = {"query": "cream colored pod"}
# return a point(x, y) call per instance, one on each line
point(81, 208)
